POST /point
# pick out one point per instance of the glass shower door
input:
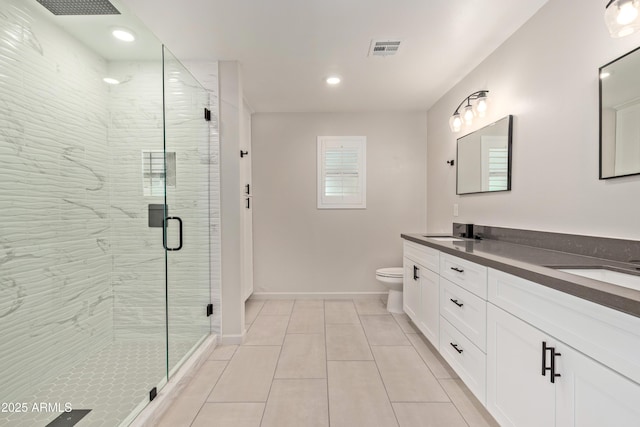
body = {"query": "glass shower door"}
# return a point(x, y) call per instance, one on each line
point(82, 272)
point(187, 211)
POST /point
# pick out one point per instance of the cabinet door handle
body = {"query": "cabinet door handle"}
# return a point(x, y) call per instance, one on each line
point(415, 273)
point(248, 203)
point(459, 350)
point(459, 270)
point(455, 301)
point(552, 374)
point(248, 187)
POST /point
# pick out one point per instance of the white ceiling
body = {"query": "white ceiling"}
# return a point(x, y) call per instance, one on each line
point(288, 47)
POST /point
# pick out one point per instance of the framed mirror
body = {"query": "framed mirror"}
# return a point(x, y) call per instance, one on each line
point(484, 159)
point(620, 117)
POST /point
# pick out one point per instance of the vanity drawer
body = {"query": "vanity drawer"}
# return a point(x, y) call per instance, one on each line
point(467, 360)
point(467, 274)
point(424, 255)
point(465, 311)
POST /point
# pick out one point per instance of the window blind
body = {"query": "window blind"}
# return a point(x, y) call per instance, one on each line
point(341, 174)
point(498, 167)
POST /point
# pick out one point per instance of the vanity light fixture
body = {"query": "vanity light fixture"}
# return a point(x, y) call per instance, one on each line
point(122, 34)
point(479, 108)
point(622, 17)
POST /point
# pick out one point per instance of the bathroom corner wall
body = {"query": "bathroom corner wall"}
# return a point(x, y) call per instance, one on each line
point(56, 303)
point(231, 104)
point(546, 75)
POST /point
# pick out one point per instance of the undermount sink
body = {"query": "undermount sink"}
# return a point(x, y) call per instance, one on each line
point(630, 281)
point(445, 238)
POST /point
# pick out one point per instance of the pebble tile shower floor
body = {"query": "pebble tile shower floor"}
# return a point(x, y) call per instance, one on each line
point(111, 383)
point(338, 363)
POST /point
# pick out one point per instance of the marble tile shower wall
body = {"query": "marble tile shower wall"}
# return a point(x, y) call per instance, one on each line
point(138, 275)
point(56, 301)
point(138, 257)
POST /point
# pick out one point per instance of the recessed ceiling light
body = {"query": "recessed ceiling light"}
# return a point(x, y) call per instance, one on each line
point(124, 35)
point(333, 80)
point(111, 81)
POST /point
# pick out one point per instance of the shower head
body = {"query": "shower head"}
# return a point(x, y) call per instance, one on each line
point(79, 7)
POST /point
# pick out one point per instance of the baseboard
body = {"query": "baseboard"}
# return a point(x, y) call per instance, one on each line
point(233, 339)
point(152, 413)
point(315, 295)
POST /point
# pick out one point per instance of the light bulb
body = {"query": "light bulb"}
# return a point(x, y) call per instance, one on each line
point(627, 13)
point(621, 17)
point(333, 80)
point(481, 105)
point(468, 114)
point(455, 122)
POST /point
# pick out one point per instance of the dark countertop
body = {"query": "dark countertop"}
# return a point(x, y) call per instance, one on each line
point(535, 264)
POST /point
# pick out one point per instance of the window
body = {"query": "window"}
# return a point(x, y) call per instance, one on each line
point(341, 172)
point(153, 173)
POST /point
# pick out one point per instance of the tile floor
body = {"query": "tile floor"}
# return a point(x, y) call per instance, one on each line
point(338, 363)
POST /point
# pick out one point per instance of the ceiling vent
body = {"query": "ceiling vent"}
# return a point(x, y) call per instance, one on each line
point(79, 7)
point(384, 47)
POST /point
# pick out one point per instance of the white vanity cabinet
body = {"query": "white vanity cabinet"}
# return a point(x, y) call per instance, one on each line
point(421, 288)
point(411, 288)
point(517, 393)
point(535, 379)
point(463, 312)
point(533, 355)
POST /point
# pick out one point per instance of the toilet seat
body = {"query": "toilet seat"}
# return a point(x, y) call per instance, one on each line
point(391, 272)
point(392, 278)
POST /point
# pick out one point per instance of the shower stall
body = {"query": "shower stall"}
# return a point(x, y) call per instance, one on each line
point(108, 160)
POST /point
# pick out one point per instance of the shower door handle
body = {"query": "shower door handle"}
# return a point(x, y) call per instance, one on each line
point(164, 233)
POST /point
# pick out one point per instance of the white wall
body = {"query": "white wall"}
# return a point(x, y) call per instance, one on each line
point(246, 224)
point(299, 248)
point(546, 75)
point(231, 104)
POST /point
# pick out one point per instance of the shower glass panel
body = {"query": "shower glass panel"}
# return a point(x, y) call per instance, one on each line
point(93, 310)
point(187, 198)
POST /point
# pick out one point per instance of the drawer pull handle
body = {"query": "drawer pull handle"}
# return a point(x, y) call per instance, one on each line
point(415, 273)
point(459, 350)
point(455, 301)
point(459, 270)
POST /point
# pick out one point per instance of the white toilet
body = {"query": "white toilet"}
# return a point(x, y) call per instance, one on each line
point(391, 277)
